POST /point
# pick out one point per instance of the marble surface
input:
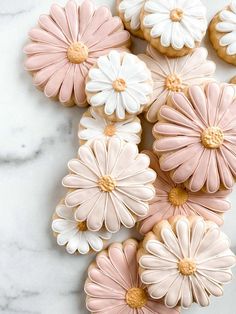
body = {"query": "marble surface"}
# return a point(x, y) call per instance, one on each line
point(37, 138)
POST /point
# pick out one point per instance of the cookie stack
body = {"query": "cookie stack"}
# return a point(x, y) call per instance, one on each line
point(176, 195)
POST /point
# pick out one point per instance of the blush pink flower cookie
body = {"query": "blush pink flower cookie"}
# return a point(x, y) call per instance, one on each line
point(113, 284)
point(185, 261)
point(172, 75)
point(110, 184)
point(174, 199)
point(67, 43)
point(196, 138)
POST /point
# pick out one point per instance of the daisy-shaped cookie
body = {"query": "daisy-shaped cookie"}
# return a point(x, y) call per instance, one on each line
point(196, 137)
point(119, 86)
point(186, 261)
point(67, 43)
point(174, 27)
point(174, 199)
point(75, 235)
point(92, 126)
point(113, 284)
point(172, 75)
point(110, 184)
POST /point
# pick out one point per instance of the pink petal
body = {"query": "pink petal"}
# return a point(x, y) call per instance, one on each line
point(227, 99)
point(167, 144)
point(66, 90)
point(130, 252)
point(106, 305)
point(79, 85)
point(213, 177)
point(71, 10)
point(230, 158)
point(160, 100)
point(86, 12)
point(114, 41)
point(224, 171)
point(112, 221)
point(199, 102)
point(40, 61)
point(34, 48)
point(174, 130)
point(39, 35)
point(213, 92)
point(96, 216)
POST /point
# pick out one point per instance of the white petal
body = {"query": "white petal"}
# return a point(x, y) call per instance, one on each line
point(93, 239)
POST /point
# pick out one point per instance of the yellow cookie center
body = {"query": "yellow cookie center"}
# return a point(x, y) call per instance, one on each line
point(187, 267)
point(212, 137)
point(178, 196)
point(106, 184)
point(82, 226)
point(136, 298)
point(176, 15)
point(77, 52)
point(174, 83)
point(110, 130)
point(119, 85)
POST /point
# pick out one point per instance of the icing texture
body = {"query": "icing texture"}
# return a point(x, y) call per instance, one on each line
point(93, 126)
point(113, 284)
point(74, 235)
point(186, 261)
point(132, 10)
point(175, 75)
point(196, 138)
point(178, 23)
point(111, 184)
point(67, 43)
point(121, 83)
point(172, 200)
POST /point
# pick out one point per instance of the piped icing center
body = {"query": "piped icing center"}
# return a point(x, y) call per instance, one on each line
point(176, 15)
point(174, 83)
point(77, 52)
point(136, 298)
point(107, 184)
point(82, 226)
point(212, 137)
point(178, 196)
point(110, 130)
point(187, 267)
point(119, 85)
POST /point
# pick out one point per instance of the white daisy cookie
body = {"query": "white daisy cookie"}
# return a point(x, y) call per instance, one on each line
point(185, 261)
point(92, 127)
point(119, 86)
point(74, 235)
point(222, 32)
point(174, 27)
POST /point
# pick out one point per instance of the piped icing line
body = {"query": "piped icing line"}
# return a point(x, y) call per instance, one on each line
point(131, 9)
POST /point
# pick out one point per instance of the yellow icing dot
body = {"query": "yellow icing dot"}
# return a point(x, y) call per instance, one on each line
point(136, 298)
point(77, 52)
point(106, 184)
point(119, 85)
point(187, 267)
point(82, 226)
point(174, 83)
point(110, 130)
point(212, 137)
point(176, 15)
point(178, 196)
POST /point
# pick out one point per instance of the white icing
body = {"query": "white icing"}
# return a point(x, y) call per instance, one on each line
point(131, 10)
point(95, 126)
point(228, 26)
point(190, 29)
point(128, 68)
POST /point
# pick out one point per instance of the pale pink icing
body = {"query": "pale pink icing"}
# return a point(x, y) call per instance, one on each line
point(109, 279)
point(179, 135)
point(209, 206)
point(47, 54)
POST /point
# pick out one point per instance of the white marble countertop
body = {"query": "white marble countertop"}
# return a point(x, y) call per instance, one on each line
point(37, 138)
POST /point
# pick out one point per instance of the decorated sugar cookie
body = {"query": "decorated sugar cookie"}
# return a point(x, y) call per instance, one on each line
point(172, 75)
point(119, 86)
point(92, 126)
point(75, 235)
point(113, 284)
point(67, 43)
point(186, 260)
point(174, 27)
point(110, 184)
point(130, 11)
point(222, 32)
point(196, 136)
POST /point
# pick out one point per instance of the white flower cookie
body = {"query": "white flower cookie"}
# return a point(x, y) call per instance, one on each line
point(222, 32)
point(92, 126)
point(174, 27)
point(119, 86)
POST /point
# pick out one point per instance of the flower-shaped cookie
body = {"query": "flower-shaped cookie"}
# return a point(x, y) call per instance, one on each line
point(196, 137)
point(92, 126)
point(111, 183)
point(119, 86)
point(185, 261)
point(113, 284)
point(75, 235)
point(172, 75)
point(174, 199)
point(67, 43)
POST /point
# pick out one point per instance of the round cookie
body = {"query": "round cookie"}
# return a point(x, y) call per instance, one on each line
point(185, 261)
point(119, 86)
point(92, 126)
point(65, 45)
point(129, 11)
point(110, 184)
point(113, 284)
point(222, 33)
point(196, 136)
point(174, 27)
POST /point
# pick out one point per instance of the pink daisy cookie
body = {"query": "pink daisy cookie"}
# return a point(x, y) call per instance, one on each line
point(196, 138)
point(174, 199)
point(67, 43)
point(113, 284)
